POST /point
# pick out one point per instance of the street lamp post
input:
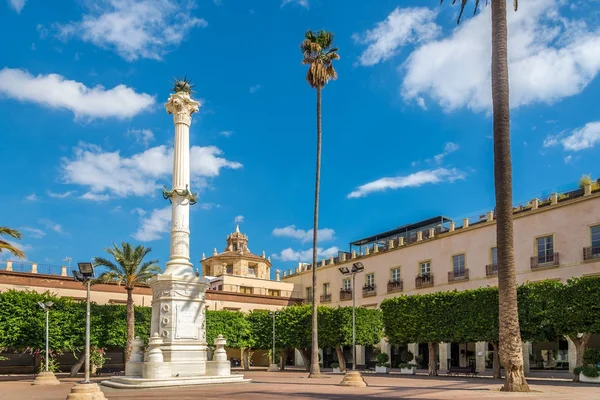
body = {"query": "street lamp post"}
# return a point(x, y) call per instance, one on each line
point(46, 377)
point(86, 389)
point(85, 275)
point(353, 378)
point(273, 367)
point(46, 307)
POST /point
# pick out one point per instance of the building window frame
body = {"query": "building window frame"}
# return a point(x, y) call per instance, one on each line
point(456, 269)
point(326, 288)
point(547, 256)
point(428, 269)
point(346, 284)
point(493, 250)
point(592, 227)
point(370, 279)
point(398, 276)
point(246, 289)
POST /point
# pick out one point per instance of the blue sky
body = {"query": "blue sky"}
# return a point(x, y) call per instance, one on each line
point(86, 142)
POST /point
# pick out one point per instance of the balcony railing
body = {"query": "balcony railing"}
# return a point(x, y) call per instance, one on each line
point(545, 261)
point(395, 286)
point(369, 290)
point(423, 281)
point(458, 275)
point(591, 253)
point(326, 298)
point(345, 294)
point(491, 269)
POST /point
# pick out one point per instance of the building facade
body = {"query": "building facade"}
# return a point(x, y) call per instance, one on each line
point(237, 270)
point(556, 238)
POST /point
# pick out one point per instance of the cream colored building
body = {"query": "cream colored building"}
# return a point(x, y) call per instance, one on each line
point(237, 270)
point(557, 238)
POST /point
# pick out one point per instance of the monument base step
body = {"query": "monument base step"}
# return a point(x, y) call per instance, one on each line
point(134, 382)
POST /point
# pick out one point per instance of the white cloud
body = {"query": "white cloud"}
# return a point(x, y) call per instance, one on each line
point(305, 236)
point(302, 3)
point(108, 173)
point(17, 5)
point(226, 133)
point(403, 26)
point(94, 196)
point(449, 148)
point(32, 232)
point(49, 224)
point(142, 136)
point(254, 89)
point(413, 180)
point(59, 195)
point(239, 219)
point(32, 197)
point(55, 91)
point(550, 57)
point(577, 139)
point(139, 211)
point(568, 159)
point(153, 226)
point(135, 28)
point(290, 254)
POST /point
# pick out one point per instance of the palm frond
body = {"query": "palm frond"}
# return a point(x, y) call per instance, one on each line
point(4, 245)
point(129, 267)
point(6, 231)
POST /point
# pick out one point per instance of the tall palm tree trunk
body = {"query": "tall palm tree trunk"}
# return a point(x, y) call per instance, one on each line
point(130, 324)
point(511, 350)
point(315, 369)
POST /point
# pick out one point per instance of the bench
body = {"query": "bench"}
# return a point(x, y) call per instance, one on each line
point(114, 371)
point(467, 371)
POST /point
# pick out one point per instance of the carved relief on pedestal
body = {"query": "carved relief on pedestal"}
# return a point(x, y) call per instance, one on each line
point(177, 291)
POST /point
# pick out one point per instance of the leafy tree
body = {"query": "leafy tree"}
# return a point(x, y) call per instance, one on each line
point(5, 245)
point(577, 315)
point(475, 314)
point(294, 330)
point(319, 54)
point(234, 327)
point(129, 270)
point(511, 352)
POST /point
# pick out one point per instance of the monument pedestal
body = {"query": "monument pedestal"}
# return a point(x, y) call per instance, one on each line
point(178, 316)
point(46, 378)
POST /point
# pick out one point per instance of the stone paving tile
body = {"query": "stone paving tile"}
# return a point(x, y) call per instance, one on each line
point(295, 386)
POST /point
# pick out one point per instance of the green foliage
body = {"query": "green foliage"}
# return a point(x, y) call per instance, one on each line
point(577, 370)
point(580, 300)
point(335, 365)
point(382, 359)
point(130, 268)
point(406, 356)
point(539, 305)
point(584, 181)
point(261, 329)
point(590, 371)
point(591, 357)
point(232, 325)
point(472, 315)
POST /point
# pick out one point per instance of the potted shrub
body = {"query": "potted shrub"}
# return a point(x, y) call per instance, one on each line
point(336, 367)
point(406, 367)
point(589, 372)
point(382, 363)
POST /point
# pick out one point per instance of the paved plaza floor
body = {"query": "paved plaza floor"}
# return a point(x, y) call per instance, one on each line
point(295, 385)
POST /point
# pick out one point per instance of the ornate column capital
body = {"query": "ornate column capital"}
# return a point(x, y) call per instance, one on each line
point(182, 106)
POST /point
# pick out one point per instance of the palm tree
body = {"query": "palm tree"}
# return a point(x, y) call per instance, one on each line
point(511, 350)
point(5, 245)
point(130, 270)
point(319, 53)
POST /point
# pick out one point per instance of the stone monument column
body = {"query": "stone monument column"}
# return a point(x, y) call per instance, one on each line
point(178, 296)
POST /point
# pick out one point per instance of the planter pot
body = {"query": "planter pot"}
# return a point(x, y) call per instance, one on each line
point(381, 370)
point(336, 371)
point(408, 371)
point(583, 378)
